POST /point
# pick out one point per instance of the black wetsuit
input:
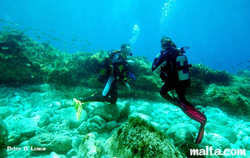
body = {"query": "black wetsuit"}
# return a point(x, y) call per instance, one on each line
point(120, 68)
point(169, 75)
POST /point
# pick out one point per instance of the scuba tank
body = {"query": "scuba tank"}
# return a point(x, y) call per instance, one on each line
point(182, 65)
point(108, 85)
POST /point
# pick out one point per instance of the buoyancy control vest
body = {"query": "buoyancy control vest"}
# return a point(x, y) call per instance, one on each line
point(176, 65)
point(107, 67)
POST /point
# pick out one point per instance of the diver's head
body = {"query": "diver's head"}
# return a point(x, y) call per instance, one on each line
point(167, 43)
point(126, 49)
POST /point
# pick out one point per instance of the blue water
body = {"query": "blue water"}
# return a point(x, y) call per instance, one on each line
point(217, 31)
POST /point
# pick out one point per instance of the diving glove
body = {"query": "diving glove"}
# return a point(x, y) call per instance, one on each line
point(128, 86)
point(78, 106)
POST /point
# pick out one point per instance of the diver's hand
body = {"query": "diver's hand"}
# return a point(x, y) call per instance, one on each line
point(127, 85)
point(130, 61)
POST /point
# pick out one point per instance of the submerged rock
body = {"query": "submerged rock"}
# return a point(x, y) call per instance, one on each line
point(246, 142)
point(217, 141)
point(142, 116)
point(13, 138)
point(57, 143)
point(96, 124)
point(111, 125)
point(3, 132)
point(44, 120)
point(137, 138)
point(19, 126)
point(88, 147)
point(70, 115)
point(247, 131)
point(4, 111)
point(182, 132)
point(3, 152)
point(229, 98)
point(227, 133)
point(72, 153)
point(145, 108)
point(83, 128)
point(111, 112)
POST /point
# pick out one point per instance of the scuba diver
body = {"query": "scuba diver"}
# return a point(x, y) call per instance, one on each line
point(174, 72)
point(113, 69)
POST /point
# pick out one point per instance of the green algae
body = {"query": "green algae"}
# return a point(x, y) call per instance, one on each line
point(138, 138)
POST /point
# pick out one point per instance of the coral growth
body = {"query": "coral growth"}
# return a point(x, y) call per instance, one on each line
point(137, 138)
point(24, 61)
point(90, 147)
point(3, 132)
point(234, 99)
point(201, 76)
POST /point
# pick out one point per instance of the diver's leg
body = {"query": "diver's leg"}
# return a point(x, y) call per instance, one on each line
point(192, 112)
point(164, 93)
point(93, 98)
point(101, 97)
point(111, 95)
point(188, 108)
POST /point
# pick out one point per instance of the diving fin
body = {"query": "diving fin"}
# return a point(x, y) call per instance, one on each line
point(193, 113)
point(196, 115)
point(78, 106)
point(201, 133)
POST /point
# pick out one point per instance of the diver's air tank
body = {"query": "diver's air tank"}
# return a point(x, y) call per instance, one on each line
point(182, 67)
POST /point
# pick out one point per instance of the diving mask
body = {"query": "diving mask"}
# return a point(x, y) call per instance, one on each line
point(127, 50)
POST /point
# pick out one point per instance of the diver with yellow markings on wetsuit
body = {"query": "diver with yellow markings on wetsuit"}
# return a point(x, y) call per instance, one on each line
point(113, 69)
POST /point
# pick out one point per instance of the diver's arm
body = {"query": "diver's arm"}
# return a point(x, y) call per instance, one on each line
point(159, 61)
point(130, 61)
point(125, 80)
point(153, 65)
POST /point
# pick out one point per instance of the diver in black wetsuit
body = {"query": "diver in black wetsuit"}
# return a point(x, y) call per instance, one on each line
point(174, 72)
point(116, 70)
